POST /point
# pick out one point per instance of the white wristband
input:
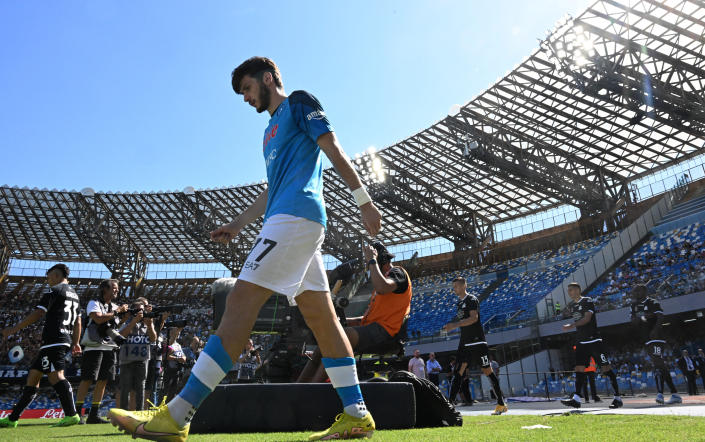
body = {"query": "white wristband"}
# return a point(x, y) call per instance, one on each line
point(361, 196)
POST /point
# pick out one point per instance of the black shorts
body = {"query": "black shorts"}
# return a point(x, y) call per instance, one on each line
point(98, 365)
point(371, 338)
point(51, 359)
point(595, 350)
point(655, 348)
point(473, 355)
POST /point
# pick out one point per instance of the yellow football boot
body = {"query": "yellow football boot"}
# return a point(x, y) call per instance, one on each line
point(153, 424)
point(347, 427)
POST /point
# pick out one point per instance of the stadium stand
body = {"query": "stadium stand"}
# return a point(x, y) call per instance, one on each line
point(531, 278)
point(670, 262)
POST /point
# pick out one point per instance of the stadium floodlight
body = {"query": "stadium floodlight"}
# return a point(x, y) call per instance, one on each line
point(87, 191)
point(454, 110)
point(371, 168)
point(571, 48)
point(189, 190)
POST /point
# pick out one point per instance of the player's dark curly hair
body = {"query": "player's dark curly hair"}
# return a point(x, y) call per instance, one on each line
point(63, 268)
point(255, 67)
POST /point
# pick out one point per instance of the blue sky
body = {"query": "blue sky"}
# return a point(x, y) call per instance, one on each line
point(132, 95)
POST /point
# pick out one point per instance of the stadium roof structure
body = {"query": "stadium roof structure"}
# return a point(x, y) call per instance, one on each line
point(608, 97)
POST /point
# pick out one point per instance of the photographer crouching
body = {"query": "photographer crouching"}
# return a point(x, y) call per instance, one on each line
point(135, 353)
point(100, 343)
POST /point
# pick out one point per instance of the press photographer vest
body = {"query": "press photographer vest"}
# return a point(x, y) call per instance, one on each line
point(137, 347)
point(91, 340)
point(389, 309)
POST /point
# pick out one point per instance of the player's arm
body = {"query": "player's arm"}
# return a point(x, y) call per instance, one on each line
point(655, 331)
point(472, 318)
point(371, 218)
point(30, 319)
point(228, 232)
point(76, 336)
point(580, 322)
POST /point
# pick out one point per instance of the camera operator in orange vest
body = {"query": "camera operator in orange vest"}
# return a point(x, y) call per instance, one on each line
point(381, 325)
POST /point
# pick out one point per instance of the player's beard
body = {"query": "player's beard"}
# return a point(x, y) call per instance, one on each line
point(265, 97)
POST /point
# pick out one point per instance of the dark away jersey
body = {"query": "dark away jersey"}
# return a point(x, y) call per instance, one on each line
point(587, 332)
point(473, 333)
point(61, 305)
point(645, 311)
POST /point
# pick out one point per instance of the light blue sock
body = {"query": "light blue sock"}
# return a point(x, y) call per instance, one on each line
point(210, 368)
point(343, 377)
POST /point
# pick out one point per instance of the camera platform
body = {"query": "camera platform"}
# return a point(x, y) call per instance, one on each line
point(240, 408)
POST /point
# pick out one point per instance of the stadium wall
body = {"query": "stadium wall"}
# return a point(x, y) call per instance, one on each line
point(526, 371)
point(671, 306)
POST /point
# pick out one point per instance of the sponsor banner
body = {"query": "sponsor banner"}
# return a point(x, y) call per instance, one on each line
point(9, 372)
point(39, 413)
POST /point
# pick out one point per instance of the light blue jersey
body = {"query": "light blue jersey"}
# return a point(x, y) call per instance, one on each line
point(294, 162)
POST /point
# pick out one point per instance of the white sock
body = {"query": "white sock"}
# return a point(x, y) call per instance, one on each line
point(181, 411)
point(358, 410)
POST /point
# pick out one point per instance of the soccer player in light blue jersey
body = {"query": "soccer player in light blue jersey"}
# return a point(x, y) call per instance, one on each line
point(286, 258)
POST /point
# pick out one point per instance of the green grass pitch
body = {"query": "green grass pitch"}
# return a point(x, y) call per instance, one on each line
point(484, 428)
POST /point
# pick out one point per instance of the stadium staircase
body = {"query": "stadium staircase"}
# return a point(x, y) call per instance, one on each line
point(484, 294)
point(683, 214)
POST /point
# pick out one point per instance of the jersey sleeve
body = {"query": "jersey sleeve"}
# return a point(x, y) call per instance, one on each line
point(47, 300)
point(92, 307)
point(472, 304)
point(308, 114)
point(399, 277)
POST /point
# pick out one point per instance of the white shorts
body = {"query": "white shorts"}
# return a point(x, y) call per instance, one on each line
point(286, 257)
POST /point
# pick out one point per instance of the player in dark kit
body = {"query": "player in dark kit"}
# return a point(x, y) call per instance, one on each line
point(472, 348)
point(62, 328)
point(589, 344)
point(646, 316)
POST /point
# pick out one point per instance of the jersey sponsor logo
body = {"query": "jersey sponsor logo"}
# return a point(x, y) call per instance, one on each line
point(316, 115)
point(269, 135)
point(271, 157)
